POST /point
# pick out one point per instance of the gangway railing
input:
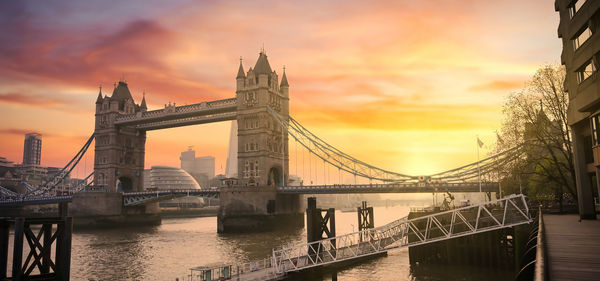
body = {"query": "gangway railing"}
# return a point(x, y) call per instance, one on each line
point(488, 216)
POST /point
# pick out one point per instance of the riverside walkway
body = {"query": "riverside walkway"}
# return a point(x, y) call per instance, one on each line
point(572, 247)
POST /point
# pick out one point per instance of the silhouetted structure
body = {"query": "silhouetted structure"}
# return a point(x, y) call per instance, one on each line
point(579, 22)
point(32, 150)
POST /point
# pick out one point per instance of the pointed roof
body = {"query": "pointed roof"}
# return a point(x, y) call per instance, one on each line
point(143, 104)
point(284, 82)
point(99, 99)
point(121, 92)
point(262, 64)
point(241, 71)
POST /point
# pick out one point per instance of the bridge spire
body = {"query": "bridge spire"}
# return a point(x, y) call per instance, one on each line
point(99, 99)
point(240, 73)
point(284, 82)
point(143, 104)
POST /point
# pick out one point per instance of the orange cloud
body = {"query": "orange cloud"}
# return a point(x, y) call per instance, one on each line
point(498, 85)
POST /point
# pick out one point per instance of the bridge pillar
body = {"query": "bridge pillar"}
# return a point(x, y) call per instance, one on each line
point(263, 162)
point(119, 150)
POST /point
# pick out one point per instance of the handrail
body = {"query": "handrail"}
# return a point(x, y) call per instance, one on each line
point(541, 258)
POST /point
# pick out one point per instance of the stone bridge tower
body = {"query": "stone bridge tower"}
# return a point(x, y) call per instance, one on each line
point(262, 144)
point(119, 152)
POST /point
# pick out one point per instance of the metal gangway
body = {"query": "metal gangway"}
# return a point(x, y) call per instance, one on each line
point(402, 233)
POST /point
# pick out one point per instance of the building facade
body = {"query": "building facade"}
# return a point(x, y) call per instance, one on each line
point(32, 150)
point(262, 143)
point(119, 152)
point(578, 28)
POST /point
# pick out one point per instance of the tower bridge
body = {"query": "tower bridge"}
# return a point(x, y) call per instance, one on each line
point(265, 127)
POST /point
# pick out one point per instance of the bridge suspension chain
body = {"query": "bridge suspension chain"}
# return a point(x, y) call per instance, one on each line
point(347, 163)
point(51, 184)
point(334, 156)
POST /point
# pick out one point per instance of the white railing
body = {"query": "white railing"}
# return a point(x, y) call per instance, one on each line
point(505, 212)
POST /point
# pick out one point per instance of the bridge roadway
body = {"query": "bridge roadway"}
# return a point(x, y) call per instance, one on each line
point(136, 198)
point(418, 187)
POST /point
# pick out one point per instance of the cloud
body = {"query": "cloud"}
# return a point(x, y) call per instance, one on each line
point(32, 100)
point(14, 131)
point(498, 85)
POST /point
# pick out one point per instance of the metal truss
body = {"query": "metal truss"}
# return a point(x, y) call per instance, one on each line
point(137, 198)
point(7, 193)
point(502, 213)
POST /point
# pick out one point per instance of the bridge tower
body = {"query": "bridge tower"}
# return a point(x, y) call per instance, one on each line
point(262, 144)
point(119, 151)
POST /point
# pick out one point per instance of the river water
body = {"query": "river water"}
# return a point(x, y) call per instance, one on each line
point(167, 252)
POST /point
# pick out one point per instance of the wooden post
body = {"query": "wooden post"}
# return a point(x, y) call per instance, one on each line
point(4, 233)
point(47, 244)
point(17, 271)
point(63, 249)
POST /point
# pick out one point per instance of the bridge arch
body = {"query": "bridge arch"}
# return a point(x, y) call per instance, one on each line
point(124, 184)
point(275, 178)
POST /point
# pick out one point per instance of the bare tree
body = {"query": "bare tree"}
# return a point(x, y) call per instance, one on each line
point(536, 117)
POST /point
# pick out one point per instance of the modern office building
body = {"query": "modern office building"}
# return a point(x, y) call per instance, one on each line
point(578, 28)
point(201, 168)
point(32, 150)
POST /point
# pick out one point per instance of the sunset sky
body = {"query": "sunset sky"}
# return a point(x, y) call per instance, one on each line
point(403, 85)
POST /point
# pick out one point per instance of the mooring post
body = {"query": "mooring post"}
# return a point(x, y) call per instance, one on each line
point(47, 246)
point(63, 209)
point(4, 232)
point(17, 272)
point(365, 218)
point(63, 248)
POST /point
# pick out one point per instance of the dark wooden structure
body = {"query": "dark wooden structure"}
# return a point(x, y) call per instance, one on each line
point(35, 238)
point(320, 224)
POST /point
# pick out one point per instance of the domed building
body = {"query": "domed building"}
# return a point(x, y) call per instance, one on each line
point(166, 178)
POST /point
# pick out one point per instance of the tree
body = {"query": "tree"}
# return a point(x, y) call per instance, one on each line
point(536, 117)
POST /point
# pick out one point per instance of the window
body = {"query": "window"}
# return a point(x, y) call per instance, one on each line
point(574, 8)
point(586, 71)
point(595, 130)
point(582, 38)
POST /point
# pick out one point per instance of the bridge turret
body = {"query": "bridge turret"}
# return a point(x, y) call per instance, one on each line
point(119, 150)
point(262, 146)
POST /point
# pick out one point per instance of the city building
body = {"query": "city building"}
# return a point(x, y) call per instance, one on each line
point(32, 150)
point(579, 23)
point(201, 168)
point(167, 178)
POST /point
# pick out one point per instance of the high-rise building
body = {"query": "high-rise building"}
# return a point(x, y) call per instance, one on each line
point(578, 28)
point(32, 150)
point(201, 168)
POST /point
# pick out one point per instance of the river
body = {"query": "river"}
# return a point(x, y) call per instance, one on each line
point(167, 252)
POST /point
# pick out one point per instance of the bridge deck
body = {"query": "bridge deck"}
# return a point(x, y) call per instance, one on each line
point(572, 247)
point(390, 188)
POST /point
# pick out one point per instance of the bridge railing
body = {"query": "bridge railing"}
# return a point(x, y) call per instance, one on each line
point(506, 212)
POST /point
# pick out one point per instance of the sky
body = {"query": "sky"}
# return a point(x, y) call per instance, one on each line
point(406, 86)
